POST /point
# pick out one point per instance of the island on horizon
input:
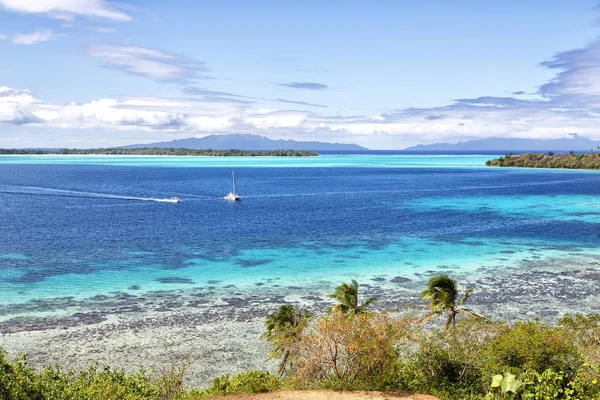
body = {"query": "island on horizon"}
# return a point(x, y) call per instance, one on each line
point(574, 142)
point(550, 160)
point(212, 145)
point(247, 141)
point(163, 151)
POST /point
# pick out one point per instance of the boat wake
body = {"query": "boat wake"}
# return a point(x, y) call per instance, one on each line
point(36, 190)
point(171, 200)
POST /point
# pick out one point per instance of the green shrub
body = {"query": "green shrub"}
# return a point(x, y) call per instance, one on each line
point(351, 351)
point(506, 385)
point(531, 346)
point(585, 331)
point(18, 381)
point(248, 382)
point(451, 359)
point(547, 385)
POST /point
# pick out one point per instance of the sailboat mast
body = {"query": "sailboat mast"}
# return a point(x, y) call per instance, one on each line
point(233, 176)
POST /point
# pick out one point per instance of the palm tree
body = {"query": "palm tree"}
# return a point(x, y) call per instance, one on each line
point(347, 297)
point(283, 327)
point(442, 292)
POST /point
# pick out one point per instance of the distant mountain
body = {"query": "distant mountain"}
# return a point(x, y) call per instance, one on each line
point(247, 142)
point(574, 142)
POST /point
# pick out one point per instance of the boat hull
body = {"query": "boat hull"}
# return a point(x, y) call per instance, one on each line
point(232, 197)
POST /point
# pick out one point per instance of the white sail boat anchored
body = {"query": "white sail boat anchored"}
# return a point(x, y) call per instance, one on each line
point(233, 196)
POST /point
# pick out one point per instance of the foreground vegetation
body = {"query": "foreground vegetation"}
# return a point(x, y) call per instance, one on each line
point(166, 151)
point(550, 160)
point(352, 347)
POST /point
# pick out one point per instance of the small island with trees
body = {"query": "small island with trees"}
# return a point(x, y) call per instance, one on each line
point(163, 151)
point(569, 160)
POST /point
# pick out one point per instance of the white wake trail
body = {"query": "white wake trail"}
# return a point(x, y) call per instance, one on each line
point(92, 194)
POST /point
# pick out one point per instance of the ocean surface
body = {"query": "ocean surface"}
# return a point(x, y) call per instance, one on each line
point(79, 227)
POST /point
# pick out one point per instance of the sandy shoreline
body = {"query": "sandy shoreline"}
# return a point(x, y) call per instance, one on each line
point(218, 332)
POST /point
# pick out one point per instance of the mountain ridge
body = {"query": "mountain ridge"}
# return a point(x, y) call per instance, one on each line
point(246, 141)
point(573, 142)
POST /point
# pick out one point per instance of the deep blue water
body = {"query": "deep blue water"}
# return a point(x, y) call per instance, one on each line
point(85, 229)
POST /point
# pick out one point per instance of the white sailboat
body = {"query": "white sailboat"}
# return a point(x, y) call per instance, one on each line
point(233, 196)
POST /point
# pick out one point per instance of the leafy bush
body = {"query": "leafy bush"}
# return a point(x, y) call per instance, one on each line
point(504, 385)
point(18, 381)
point(248, 382)
point(547, 385)
point(452, 358)
point(532, 346)
point(585, 331)
point(351, 351)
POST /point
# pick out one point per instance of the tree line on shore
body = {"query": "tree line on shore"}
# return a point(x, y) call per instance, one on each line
point(352, 346)
point(569, 160)
point(163, 151)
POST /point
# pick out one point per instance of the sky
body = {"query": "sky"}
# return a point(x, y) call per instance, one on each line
point(383, 74)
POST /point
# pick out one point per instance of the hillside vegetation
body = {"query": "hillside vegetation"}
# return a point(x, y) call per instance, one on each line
point(351, 347)
point(550, 160)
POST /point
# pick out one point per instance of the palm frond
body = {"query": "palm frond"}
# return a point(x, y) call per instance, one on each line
point(286, 316)
point(429, 316)
point(370, 301)
point(347, 297)
point(441, 290)
point(469, 313)
point(363, 308)
point(466, 296)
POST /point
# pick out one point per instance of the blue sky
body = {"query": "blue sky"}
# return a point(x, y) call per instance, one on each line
point(383, 74)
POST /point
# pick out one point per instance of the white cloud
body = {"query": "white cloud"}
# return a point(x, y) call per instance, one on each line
point(278, 119)
point(207, 124)
point(570, 103)
point(3, 36)
point(19, 107)
point(16, 106)
point(41, 35)
point(189, 116)
point(580, 73)
point(67, 9)
point(107, 112)
point(147, 62)
point(8, 95)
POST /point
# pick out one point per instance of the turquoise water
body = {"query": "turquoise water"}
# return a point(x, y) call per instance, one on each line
point(366, 160)
point(81, 226)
